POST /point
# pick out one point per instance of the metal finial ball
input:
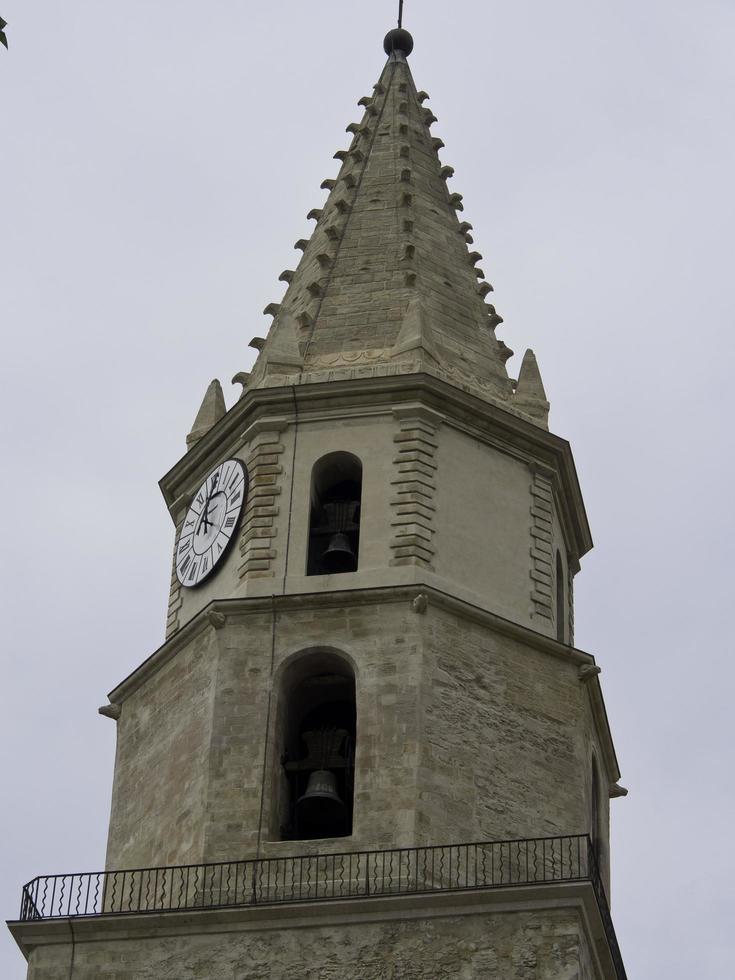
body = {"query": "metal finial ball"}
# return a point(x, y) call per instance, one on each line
point(398, 40)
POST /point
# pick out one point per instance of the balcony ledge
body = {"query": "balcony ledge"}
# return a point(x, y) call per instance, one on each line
point(578, 896)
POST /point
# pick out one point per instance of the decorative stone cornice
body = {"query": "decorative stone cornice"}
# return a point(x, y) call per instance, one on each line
point(239, 610)
point(110, 711)
point(217, 620)
point(420, 603)
point(486, 421)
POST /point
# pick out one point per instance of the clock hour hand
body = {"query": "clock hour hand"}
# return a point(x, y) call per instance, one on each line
point(204, 521)
point(205, 513)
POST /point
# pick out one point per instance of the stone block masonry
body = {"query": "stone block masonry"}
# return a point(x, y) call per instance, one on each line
point(259, 527)
point(365, 942)
point(541, 546)
point(414, 487)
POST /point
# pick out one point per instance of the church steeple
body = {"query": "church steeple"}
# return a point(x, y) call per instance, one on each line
point(388, 243)
point(369, 686)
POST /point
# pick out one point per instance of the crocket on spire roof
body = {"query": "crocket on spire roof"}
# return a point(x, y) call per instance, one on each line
point(386, 283)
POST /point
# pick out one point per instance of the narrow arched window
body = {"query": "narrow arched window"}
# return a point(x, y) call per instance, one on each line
point(560, 611)
point(334, 519)
point(318, 722)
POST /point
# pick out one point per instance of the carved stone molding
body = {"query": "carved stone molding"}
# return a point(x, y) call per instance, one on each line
point(587, 671)
point(382, 363)
point(420, 603)
point(346, 358)
point(216, 619)
point(259, 528)
point(110, 711)
point(414, 485)
point(541, 546)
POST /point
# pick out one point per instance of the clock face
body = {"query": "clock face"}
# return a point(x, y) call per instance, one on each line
point(211, 522)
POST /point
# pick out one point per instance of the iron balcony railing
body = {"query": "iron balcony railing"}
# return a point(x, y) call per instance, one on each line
point(321, 877)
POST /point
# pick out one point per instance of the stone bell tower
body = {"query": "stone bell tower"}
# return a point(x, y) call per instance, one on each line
point(368, 747)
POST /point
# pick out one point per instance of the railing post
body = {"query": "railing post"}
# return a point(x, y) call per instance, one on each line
point(254, 887)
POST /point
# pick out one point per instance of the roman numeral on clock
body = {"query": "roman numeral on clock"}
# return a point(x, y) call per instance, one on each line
point(230, 522)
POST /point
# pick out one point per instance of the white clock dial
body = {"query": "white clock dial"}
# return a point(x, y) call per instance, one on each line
point(211, 522)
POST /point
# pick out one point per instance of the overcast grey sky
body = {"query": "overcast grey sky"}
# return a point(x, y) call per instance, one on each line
point(157, 161)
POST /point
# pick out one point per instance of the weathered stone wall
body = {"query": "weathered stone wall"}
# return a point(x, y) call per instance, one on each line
point(542, 945)
point(462, 734)
point(191, 741)
point(483, 522)
point(386, 663)
point(161, 764)
point(506, 731)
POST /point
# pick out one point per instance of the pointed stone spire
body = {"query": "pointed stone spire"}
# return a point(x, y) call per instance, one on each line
point(387, 272)
point(530, 397)
point(211, 411)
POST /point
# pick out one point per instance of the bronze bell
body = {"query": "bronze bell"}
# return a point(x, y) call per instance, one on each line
point(320, 808)
point(339, 556)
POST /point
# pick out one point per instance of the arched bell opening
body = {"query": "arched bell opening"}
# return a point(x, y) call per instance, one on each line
point(334, 520)
point(318, 729)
